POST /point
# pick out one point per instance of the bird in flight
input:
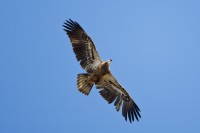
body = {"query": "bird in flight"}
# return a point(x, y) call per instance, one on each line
point(98, 72)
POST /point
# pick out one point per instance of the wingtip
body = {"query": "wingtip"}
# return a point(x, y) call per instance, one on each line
point(72, 26)
point(130, 111)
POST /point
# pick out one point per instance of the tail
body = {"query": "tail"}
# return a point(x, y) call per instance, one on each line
point(83, 84)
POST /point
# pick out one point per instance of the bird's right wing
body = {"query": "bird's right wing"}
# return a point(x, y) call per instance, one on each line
point(83, 46)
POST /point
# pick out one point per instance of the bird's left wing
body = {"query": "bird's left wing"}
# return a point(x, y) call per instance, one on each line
point(111, 91)
point(83, 46)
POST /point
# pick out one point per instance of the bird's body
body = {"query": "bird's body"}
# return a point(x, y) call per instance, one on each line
point(101, 70)
point(98, 72)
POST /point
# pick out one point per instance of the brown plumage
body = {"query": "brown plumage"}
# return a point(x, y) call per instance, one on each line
point(98, 72)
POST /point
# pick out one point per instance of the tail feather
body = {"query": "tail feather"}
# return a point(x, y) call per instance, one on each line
point(83, 84)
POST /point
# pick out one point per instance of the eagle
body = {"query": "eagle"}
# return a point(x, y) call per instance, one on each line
point(98, 72)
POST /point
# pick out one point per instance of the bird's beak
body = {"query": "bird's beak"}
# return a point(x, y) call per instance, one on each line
point(110, 60)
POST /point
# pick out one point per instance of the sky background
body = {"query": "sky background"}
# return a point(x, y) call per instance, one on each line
point(155, 48)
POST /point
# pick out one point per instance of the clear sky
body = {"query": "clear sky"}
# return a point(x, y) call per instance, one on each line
point(155, 48)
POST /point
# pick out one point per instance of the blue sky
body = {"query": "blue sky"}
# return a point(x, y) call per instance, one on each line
point(155, 47)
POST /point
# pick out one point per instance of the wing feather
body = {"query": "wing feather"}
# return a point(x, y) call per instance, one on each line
point(83, 46)
point(112, 91)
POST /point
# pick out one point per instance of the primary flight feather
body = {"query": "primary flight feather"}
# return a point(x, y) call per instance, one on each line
point(98, 72)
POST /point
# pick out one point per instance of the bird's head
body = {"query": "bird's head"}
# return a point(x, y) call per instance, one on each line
point(108, 61)
point(106, 65)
